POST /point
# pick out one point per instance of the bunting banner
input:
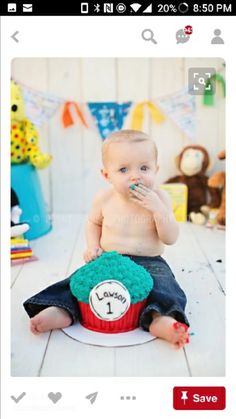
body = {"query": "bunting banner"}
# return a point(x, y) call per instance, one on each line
point(181, 108)
point(67, 118)
point(109, 116)
point(208, 97)
point(39, 106)
point(137, 118)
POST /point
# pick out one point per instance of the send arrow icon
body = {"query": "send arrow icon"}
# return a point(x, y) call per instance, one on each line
point(92, 397)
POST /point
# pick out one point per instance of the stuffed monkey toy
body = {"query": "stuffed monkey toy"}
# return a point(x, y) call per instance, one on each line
point(193, 162)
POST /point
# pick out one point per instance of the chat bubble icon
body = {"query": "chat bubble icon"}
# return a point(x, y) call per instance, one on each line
point(181, 37)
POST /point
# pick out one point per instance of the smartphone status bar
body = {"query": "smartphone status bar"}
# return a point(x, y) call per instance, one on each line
point(117, 8)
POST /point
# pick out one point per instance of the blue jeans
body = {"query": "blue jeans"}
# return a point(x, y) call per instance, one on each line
point(166, 297)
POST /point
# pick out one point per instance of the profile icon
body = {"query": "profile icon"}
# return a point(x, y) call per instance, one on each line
point(217, 38)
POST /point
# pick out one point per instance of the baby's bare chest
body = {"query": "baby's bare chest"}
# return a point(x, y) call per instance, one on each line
point(126, 218)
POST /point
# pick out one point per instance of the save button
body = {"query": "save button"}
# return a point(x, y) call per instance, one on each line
point(199, 398)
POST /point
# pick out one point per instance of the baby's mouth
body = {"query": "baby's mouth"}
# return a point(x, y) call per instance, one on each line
point(133, 185)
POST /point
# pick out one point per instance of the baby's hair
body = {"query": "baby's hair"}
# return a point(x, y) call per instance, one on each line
point(126, 136)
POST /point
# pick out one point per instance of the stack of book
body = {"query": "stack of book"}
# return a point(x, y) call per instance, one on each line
point(20, 249)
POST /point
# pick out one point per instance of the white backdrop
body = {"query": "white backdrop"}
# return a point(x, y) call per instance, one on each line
point(73, 176)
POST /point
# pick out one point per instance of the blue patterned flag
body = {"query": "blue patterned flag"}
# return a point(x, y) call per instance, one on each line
point(109, 116)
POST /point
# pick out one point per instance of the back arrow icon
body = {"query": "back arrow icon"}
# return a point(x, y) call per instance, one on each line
point(14, 36)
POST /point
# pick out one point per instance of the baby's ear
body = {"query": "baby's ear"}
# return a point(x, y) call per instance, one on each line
point(157, 168)
point(104, 173)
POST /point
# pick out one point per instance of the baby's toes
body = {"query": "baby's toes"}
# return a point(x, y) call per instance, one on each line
point(179, 345)
point(187, 340)
point(180, 326)
point(183, 340)
point(33, 327)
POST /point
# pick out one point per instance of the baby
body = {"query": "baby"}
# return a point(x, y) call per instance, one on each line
point(134, 218)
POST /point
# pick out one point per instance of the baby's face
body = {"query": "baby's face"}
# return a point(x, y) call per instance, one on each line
point(130, 163)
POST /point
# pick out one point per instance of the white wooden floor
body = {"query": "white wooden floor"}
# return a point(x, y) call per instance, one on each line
point(198, 262)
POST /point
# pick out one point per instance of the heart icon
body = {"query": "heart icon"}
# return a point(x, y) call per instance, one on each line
point(54, 397)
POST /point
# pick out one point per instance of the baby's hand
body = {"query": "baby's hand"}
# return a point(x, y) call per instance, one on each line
point(92, 254)
point(146, 198)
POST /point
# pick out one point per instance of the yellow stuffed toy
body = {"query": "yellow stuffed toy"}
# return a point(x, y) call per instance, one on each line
point(24, 136)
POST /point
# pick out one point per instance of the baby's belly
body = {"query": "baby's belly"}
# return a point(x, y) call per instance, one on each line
point(143, 245)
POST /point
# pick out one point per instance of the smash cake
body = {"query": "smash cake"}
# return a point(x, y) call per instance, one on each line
point(111, 292)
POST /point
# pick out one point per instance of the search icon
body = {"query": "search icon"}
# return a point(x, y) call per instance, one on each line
point(201, 80)
point(148, 35)
point(205, 83)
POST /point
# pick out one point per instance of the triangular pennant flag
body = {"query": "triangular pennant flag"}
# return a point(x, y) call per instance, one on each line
point(67, 118)
point(109, 116)
point(181, 108)
point(209, 96)
point(138, 114)
point(39, 106)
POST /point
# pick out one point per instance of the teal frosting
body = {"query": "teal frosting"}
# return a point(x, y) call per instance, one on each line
point(133, 186)
point(111, 265)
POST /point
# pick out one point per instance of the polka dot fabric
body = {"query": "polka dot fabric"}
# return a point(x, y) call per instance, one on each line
point(24, 136)
point(24, 140)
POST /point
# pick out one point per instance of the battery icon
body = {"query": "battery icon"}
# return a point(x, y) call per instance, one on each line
point(84, 8)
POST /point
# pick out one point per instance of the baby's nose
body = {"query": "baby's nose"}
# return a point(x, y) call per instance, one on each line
point(134, 177)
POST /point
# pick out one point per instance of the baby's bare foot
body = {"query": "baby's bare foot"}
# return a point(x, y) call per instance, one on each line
point(169, 329)
point(48, 319)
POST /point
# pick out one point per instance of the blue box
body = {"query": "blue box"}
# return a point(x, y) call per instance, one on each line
point(25, 182)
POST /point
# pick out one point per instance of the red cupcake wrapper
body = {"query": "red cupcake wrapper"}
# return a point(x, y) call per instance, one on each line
point(126, 323)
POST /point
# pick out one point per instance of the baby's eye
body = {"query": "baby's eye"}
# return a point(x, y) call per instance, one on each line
point(144, 168)
point(123, 169)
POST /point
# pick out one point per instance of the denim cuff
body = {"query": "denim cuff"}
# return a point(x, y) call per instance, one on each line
point(146, 316)
point(33, 307)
